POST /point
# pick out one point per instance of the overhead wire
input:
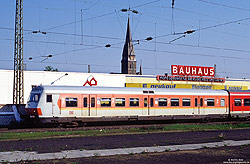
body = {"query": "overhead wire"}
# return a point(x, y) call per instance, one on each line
point(223, 5)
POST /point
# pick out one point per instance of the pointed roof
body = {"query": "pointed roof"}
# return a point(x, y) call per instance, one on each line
point(128, 35)
point(128, 46)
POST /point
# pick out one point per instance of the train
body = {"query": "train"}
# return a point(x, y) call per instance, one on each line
point(81, 104)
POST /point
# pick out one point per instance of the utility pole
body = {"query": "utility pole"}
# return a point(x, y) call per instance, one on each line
point(18, 85)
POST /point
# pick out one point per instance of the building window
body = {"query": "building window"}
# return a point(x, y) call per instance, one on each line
point(92, 102)
point(134, 101)
point(186, 102)
point(237, 102)
point(163, 101)
point(246, 102)
point(49, 98)
point(210, 102)
point(105, 102)
point(222, 102)
point(119, 101)
point(71, 102)
point(174, 102)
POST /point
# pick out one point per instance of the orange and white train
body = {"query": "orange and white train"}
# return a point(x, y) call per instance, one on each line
point(67, 104)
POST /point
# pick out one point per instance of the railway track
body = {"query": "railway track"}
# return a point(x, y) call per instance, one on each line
point(124, 125)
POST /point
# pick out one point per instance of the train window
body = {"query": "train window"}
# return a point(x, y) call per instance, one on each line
point(201, 102)
point(163, 102)
point(119, 101)
point(145, 102)
point(134, 101)
point(210, 102)
point(85, 102)
point(105, 102)
point(71, 102)
point(246, 102)
point(92, 102)
point(174, 102)
point(151, 102)
point(196, 102)
point(34, 97)
point(237, 102)
point(186, 102)
point(49, 98)
point(222, 102)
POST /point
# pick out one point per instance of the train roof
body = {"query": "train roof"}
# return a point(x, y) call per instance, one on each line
point(127, 90)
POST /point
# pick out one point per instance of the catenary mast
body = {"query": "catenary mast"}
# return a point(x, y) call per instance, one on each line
point(18, 85)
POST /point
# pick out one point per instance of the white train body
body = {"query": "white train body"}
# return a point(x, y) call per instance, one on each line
point(86, 104)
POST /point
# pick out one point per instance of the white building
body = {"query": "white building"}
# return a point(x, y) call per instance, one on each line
point(57, 78)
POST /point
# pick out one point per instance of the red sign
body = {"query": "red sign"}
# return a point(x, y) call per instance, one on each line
point(192, 70)
point(91, 81)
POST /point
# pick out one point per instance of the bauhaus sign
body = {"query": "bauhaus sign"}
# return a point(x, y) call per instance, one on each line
point(192, 70)
point(191, 73)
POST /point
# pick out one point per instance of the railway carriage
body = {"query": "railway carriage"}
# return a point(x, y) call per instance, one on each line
point(55, 104)
point(240, 103)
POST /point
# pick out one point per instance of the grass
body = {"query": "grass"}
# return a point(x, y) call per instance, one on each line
point(151, 129)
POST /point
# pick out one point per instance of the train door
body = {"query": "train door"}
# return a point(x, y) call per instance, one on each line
point(145, 108)
point(148, 105)
point(151, 105)
point(56, 108)
point(198, 105)
point(85, 110)
point(92, 106)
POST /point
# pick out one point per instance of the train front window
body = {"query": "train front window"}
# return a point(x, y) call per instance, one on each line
point(162, 102)
point(210, 102)
point(246, 102)
point(34, 97)
point(71, 102)
point(237, 102)
point(134, 101)
point(105, 102)
point(119, 101)
point(174, 102)
point(186, 102)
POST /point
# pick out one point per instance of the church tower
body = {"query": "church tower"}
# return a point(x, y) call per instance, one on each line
point(128, 55)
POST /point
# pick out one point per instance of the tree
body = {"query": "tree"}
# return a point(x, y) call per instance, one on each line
point(49, 68)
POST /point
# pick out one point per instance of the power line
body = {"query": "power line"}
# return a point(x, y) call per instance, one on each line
point(223, 24)
point(66, 24)
point(146, 4)
point(218, 4)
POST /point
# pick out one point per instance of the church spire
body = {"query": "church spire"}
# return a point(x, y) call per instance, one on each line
point(128, 56)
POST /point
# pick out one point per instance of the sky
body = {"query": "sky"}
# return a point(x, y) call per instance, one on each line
point(76, 32)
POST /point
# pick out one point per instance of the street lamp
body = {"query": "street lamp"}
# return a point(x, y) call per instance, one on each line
point(45, 57)
point(59, 78)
